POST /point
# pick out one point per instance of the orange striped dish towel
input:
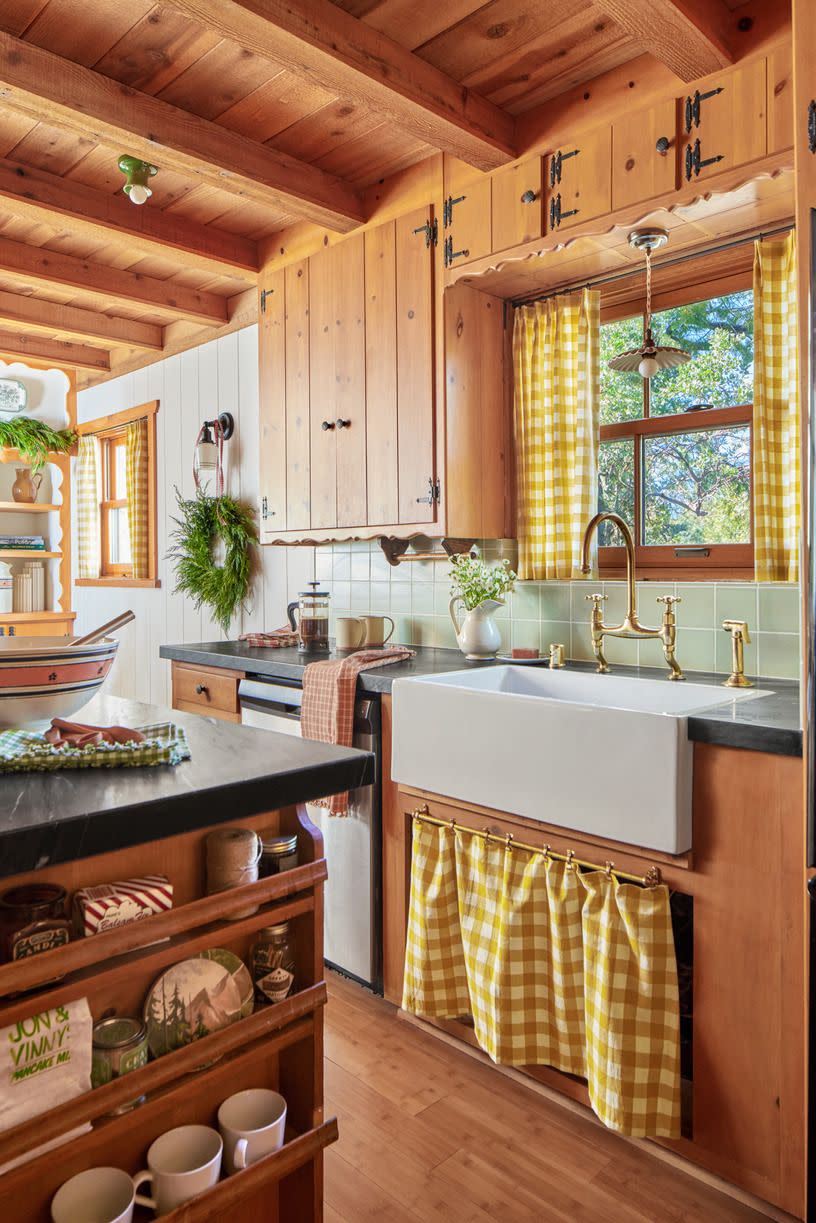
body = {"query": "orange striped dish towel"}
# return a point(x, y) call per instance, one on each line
point(329, 691)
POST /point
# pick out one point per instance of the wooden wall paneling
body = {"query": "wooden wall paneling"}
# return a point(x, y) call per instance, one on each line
point(323, 392)
point(415, 366)
point(381, 373)
point(476, 405)
point(272, 392)
point(349, 365)
point(298, 427)
point(639, 171)
point(515, 219)
point(780, 98)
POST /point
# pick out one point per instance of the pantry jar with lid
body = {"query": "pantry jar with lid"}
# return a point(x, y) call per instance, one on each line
point(278, 853)
point(32, 919)
point(312, 621)
point(273, 964)
point(119, 1046)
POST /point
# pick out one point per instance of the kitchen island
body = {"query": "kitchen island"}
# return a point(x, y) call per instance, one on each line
point(82, 828)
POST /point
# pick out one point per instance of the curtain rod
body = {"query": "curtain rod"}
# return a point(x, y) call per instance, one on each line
point(664, 263)
point(651, 879)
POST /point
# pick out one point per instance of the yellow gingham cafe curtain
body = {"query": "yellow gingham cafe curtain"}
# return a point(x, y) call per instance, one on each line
point(556, 346)
point(777, 481)
point(555, 967)
point(87, 495)
point(136, 478)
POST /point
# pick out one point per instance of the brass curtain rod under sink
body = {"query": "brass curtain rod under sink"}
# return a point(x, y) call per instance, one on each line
point(652, 879)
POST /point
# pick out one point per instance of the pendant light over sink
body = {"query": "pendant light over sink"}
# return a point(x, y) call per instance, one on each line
point(650, 357)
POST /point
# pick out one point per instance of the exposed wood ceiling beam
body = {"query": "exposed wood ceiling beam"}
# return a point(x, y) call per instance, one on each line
point(37, 264)
point(50, 316)
point(688, 36)
point(317, 40)
point(56, 352)
point(35, 194)
point(69, 96)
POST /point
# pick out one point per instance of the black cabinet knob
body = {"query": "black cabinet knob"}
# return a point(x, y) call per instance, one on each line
point(327, 424)
point(201, 689)
point(343, 424)
point(663, 145)
point(529, 197)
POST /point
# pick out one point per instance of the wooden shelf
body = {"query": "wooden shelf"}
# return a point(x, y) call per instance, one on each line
point(41, 617)
point(27, 507)
point(9, 554)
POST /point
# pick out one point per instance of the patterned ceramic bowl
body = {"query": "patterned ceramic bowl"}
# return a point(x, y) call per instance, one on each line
point(45, 677)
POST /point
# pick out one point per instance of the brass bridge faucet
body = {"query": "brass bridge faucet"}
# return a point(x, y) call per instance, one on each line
point(630, 625)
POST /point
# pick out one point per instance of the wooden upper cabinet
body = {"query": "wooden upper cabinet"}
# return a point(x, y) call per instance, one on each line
point(644, 154)
point(517, 196)
point(723, 121)
point(298, 423)
point(381, 373)
point(780, 99)
point(578, 179)
point(465, 225)
point(272, 395)
point(416, 416)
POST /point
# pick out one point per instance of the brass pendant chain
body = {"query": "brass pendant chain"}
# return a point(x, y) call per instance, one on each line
point(648, 289)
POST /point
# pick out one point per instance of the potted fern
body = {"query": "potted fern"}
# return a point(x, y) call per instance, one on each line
point(480, 588)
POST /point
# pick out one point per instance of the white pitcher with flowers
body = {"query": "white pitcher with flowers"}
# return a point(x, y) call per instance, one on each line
point(480, 589)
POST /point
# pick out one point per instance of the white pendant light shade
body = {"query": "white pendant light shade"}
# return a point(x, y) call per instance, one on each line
point(650, 358)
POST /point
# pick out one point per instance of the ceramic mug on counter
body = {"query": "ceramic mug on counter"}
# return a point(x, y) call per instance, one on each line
point(349, 633)
point(98, 1195)
point(375, 630)
point(182, 1163)
point(252, 1125)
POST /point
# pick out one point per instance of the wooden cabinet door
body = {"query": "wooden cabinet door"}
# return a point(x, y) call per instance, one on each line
point(465, 223)
point(724, 122)
point(322, 371)
point(517, 199)
point(298, 425)
point(579, 180)
point(381, 373)
point(415, 368)
point(350, 381)
point(780, 99)
point(272, 403)
point(644, 154)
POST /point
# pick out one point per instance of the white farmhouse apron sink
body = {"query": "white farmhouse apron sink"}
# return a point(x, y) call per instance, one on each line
point(605, 755)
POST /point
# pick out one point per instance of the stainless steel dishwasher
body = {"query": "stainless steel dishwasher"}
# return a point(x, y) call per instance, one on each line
point(353, 845)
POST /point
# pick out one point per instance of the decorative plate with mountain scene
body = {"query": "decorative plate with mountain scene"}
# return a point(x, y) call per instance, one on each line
point(197, 997)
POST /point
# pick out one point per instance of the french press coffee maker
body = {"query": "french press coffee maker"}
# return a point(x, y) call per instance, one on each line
point(312, 620)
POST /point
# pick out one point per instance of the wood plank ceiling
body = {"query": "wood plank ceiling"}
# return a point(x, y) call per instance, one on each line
point(257, 120)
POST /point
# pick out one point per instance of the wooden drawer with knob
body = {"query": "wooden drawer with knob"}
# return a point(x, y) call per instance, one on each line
point(644, 154)
point(207, 690)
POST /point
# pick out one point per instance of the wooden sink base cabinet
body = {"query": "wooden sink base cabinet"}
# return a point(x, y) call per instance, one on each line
point(279, 1047)
point(744, 1110)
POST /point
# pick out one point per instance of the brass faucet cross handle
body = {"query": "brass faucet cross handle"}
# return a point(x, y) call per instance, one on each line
point(739, 639)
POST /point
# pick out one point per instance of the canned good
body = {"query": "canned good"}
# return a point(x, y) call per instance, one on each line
point(278, 853)
point(273, 964)
point(32, 919)
point(119, 1046)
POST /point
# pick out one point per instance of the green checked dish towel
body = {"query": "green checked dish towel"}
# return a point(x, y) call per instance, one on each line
point(23, 751)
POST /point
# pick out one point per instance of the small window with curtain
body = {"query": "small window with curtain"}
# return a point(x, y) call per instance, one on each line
point(675, 455)
point(115, 497)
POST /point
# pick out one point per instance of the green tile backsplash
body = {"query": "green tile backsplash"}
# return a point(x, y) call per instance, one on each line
point(416, 596)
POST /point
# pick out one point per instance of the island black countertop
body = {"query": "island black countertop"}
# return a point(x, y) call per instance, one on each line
point(768, 722)
point(234, 771)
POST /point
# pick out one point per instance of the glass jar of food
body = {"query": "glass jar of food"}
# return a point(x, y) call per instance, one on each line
point(32, 919)
point(273, 964)
point(278, 853)
point(312, 622)
point(119, 1046)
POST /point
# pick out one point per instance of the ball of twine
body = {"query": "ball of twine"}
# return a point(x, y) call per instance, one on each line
point(233, 855)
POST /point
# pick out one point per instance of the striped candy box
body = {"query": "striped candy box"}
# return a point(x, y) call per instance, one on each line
point(108, 905)
point(42, 678)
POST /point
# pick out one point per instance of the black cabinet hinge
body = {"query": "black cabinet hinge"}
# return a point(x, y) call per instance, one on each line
point(811, 126)
point(556, 162)
point(431, 231)
point(447, 209)
point(451, 254)
point(695, 161)
point(265, 512)
point(434, 493)
point(693, 106)
point(264, 294)
point(556, 215)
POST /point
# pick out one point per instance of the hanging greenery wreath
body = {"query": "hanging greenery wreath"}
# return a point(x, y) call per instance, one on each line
point(204, 520)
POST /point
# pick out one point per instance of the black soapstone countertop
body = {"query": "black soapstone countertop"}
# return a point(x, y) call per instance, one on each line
point(767, 723)
point(234, 771)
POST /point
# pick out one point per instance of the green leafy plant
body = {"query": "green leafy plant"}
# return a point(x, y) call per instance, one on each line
point(475, 580)
point(35, 440)
point(204, 520)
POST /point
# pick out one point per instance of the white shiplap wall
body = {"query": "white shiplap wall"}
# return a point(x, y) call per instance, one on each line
point(191, 387)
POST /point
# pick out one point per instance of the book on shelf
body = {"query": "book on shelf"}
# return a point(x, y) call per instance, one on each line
point(31, 543)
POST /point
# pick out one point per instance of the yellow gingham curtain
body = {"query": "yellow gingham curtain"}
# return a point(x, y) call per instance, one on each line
point(136, 478)
point(555, 967)
point(87, 495)
point(556, 347)
point(777, 481)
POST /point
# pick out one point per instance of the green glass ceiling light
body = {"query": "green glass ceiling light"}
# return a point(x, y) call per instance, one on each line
point(136, 172)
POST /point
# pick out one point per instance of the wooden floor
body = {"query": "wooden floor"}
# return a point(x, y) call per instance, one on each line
point(428, 1133)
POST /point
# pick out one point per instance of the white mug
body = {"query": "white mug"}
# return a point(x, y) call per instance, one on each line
point(252, 1124)
point(182, 1164)
point(375, 630)
point(349, 633)
point(98, 1195)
